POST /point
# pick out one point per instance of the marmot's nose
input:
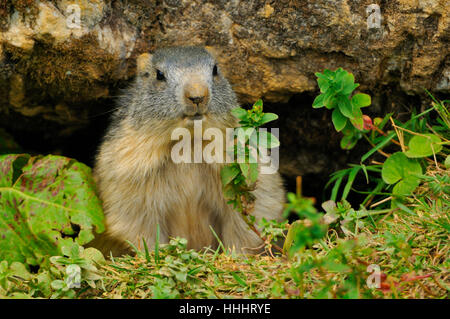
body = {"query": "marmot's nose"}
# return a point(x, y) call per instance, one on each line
point(196, 95)
point(196, 99)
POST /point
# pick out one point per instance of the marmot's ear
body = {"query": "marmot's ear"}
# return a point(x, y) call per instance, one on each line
point(211, 51)
point(144, 64)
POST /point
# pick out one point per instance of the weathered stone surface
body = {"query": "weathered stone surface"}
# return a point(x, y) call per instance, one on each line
point(56, 70)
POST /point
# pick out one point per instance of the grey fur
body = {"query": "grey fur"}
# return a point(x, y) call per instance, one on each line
point(148, 99)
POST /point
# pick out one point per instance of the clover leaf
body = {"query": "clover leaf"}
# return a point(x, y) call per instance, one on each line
point(402, 171)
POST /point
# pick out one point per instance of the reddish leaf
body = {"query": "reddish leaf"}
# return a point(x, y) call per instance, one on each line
point(368, 125)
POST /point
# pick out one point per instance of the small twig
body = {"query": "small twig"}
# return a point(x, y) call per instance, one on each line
point(406, 130)
point(299, 185)
point(435, 133)
point(381, 202)
point(399, 135)
point(388, 214)
point(369, 201)
point(434, 156)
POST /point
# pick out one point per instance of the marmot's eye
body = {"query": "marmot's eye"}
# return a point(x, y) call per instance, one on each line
point(215, 70)
point(160, 76)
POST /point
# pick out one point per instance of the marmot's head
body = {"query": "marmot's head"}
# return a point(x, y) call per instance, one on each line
point(178, 85)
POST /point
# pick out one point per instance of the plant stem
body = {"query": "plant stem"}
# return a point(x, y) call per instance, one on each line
point(373, 145)
point(385, 134)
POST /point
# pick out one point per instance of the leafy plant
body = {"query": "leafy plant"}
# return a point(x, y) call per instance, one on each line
point(309, 229)
point(416, 138)
point(403, 172)
point(77, 267)
point(64, 277)
point(336, 88)
point(239, 179)
point(46, 203)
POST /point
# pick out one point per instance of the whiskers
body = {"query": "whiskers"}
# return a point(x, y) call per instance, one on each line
point(103, 113)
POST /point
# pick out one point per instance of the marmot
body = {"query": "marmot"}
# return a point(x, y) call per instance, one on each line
point(141, 186)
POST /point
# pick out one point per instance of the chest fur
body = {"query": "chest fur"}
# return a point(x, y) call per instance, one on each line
point(141, 187)
point(190, 200)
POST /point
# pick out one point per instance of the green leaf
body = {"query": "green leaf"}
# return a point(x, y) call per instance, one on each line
point(345, 106)
point(361, 100)
point(380, 145)
point(356, 110)
point(405, 171)
point(351, 179)
point(18, 269)
point(396, 167)
point(423, 146)
point(330, 100)
point(349, 89)
point(357, 120)
point(322, 76)
point(336, 186)
point(228, 173)
point(294, 228)
point(338, 119)
point(299, 235)
point(348, 83)
point(268, 117)
point(324, 85)
point(319, 101)
point(250, 172)
point(239, 280)
point(447, 162)
point(332, 266)
point(348, 142)
point(94, 255)
point(253, 173)
point(58, 284)
point(245, 169)
point(406, 186)
point(267, 140)
point(42, 199)
point(328, 74)
point(239, 113)
point(339, 80)
point(181, 276)
point(258, 104)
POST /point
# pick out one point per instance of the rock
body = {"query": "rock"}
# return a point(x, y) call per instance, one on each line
point(69, 57)
point(18, 34)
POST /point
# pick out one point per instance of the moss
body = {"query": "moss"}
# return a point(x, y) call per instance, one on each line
point(69, 70)
point(23, 5)
point(7, 7)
